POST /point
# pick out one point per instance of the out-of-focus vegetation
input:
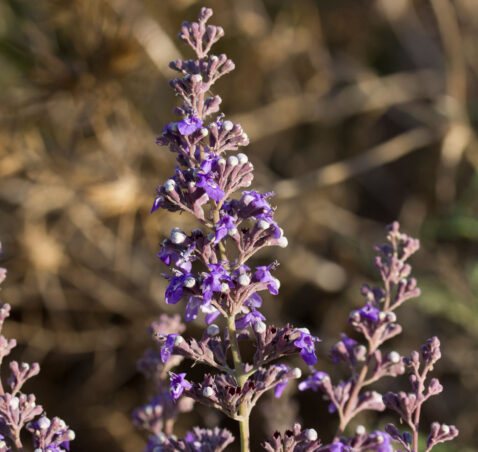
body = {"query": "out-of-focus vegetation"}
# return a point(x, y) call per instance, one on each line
point(360, 112)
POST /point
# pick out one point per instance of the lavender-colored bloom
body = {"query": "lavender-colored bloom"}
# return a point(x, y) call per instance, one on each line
point(175, 290)
point(249, 320)
point(189, 125)
point(279, 388)
point(314, 382)
point(180, 257)
point(254, 301)
point(263, 275)
point(213, 281)
point(224, 226)
point(370, 313)
point(383, 441)
point(167, 348)
point(257, 200)
point(210, 186)
point(192, 308)
point(178, 384)
point(306, 343)
point(338, 446)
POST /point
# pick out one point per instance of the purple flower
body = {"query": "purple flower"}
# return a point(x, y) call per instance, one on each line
point(383, 441)
point(167, 348)
point(370, 313)
point(175, 290)
point(181, 258)
point(256, 200)
point(249, 320)
point(189, 125)
point(210, 186)
point(224, 226)
point(178, 384)
point(306, 343)
point(314, 382)
point(279, 388)
point(338, 446)
point(213, 281)
point(263, 275)
point(254, 301)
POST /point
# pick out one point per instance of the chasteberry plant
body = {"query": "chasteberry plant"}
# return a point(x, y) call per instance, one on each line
point(210, 268)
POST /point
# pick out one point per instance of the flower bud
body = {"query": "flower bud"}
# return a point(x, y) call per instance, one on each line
point(221, 161)
point(311, 434)
point(263, 224)
point(71, 435)
point(189, 282)
point(296, 372)
point(283, 242)
point(394, 357)
point(196, 78)
point(14, 403)
point(224, 287)
point(391, 317)
point(232, 232)
point(232, 160)
point(44, 423)
point(260, 327)
point(360, 430)
point(177, 236)
point(204, 132)
point(178, 340)
point(213, 330)
point(207, 391)
point(244, 280)
point(445, 429)
point(243, 159)
point(227, 125)
point(169, 185)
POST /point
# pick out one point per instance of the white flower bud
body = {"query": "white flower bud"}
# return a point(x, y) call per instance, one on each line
point(382, 316)
point(44, 423)
point(160, 438)
point(3, 445)
point(283, 242)
point(189, 282)
point(14, 403)
point(148, 410)
point(227, 125)
point(296, 372)
point(311, 434)
point(204, 132)
point(244, 280)
point(247, 199)
point(263, 224)
point(221, 161)
point(224, 287)
point(169, 185)
point(277, 282)
point(445, 429)
point(232, 232)
point(245, 137)
point(191, 184)
point(304, 330)
point(212, 125)
point(177, 236)
point(213, 58)
point(394, 357)
point(232, 160)
point(260, 327)
point(360, 430)
point(196, 78)
point(391, 317)
point(178, 340)
point(71, 435)
point(213, 330)
point(207, 391)
point(243, 159)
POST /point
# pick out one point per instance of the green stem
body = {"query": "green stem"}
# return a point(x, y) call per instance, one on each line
point(241, 378)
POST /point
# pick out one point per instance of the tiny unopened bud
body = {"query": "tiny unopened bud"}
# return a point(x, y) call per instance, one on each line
point(221, 162)
point(204, 132)
point(178, 340)
point(283, 242)
point(247, 199)
point(227, 125)
point(360, 430)
point(14, 403)
point(207, 391)
point(232, 160)
point(232, 232)
point(224, 287)
point(44, 423)
point(189, 282)
point(213, 330)
point(243, 159)
point(382, 316)
point(445, 429)
point(360, 352)
point(169, 185)
point(391, 317)
point(394, 357)
point(245, 137)
point(304, 330)
point(25, 366)
point(277, 282)
point(71, 435)
point(160, 438)
point(177, 236)
point(244, 280)
point(263, 224)
point(296, 372)
point(191, 184)
point(260, 327)
point(311, 434)
point(196, 78)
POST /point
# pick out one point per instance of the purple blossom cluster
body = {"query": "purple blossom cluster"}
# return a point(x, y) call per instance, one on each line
point(209, 269)
point(20, 415)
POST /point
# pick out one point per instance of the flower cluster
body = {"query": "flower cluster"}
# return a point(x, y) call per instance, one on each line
point(209, 269)
point(19, 412)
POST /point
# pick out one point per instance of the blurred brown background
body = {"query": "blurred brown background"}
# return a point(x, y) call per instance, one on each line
point(359, 112)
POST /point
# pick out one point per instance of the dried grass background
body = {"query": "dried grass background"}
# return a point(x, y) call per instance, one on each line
point(359, 112)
